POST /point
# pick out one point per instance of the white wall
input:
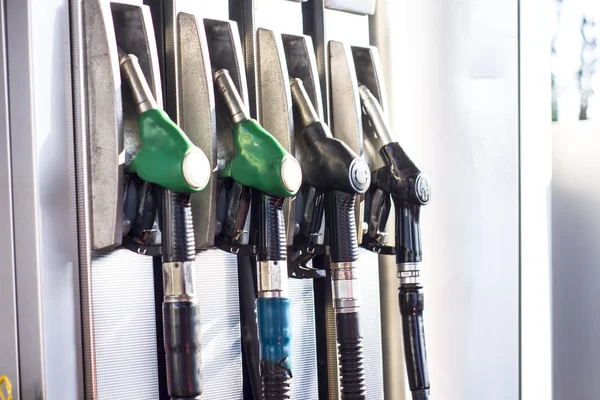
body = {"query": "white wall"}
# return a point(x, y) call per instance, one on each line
point(576, 260)
point(452, 73)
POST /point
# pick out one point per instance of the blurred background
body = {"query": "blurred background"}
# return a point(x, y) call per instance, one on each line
point(575, 198)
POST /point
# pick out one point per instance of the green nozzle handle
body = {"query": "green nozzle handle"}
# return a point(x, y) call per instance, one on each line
point(262, 162)
point(168, 158)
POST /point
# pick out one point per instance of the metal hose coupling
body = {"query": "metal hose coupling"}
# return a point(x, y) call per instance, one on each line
point(409, 273)
point(346, 287)
point(178, 281)
point(272, 278)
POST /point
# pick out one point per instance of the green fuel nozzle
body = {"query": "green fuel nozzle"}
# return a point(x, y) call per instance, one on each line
point(261, 162)
point(167, 157)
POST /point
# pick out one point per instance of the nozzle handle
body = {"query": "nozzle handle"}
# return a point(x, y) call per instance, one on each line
point(339, 216)
point(408, 232)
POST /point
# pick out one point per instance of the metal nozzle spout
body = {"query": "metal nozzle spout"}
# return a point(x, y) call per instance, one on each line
point(303, 103)
point(131, 70)
point(232, 98)
point(375, 114)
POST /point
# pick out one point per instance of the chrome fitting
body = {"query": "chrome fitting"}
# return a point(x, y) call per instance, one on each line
point(409, 273)
point(233, 100)
point(142, 95)
point(272, 278)
point(178, 281)
point(373, 110)
point(303, 103)
point(345, 287)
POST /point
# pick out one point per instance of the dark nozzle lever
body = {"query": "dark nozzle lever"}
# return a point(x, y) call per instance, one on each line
point(302, 101)
point(231, 96)
point(131, 70)
point(376, 115)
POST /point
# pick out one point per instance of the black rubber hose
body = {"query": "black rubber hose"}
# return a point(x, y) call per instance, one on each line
point(181, 319)
point(276, 381)
point(411, 307)
point(183, 349)
point(350, 356)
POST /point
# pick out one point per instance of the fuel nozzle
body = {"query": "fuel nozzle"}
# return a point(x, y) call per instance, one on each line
point(400, 177)
point(334, 165)
point(261, 162)
point(409, 190)
point(340, 174)
point(167, 156)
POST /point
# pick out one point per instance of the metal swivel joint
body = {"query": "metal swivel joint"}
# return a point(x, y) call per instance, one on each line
point(410, 190)
point(168, 159)
point(264, 165)
point(337, 171)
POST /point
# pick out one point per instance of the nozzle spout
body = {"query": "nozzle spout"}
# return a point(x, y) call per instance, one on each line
point(232, 98)
point(375, 114)
point(131, 70)
point(302, 102)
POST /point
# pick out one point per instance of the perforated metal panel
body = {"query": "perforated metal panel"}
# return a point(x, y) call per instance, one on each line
point(217, 288)
point(125, 328)
point(370, 323)
point(304, 348)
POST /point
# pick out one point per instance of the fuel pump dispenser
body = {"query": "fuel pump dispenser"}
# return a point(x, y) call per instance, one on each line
point(168, 159)
point(273, 174)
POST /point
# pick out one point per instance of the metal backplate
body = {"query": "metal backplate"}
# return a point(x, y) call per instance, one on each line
point(112, 121)
point(106, 139)
point(300, 61)
point(346, 116)
point(190, 101)
point(369, 73)
point(275, 103)
point(104, 124)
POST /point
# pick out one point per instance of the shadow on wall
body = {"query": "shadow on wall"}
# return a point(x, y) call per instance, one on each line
point(576, 260)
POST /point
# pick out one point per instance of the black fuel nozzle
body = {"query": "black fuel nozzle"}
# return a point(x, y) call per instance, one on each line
point(409, 189)
point(336, 171)
point(333, 165)
point(401, 179)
